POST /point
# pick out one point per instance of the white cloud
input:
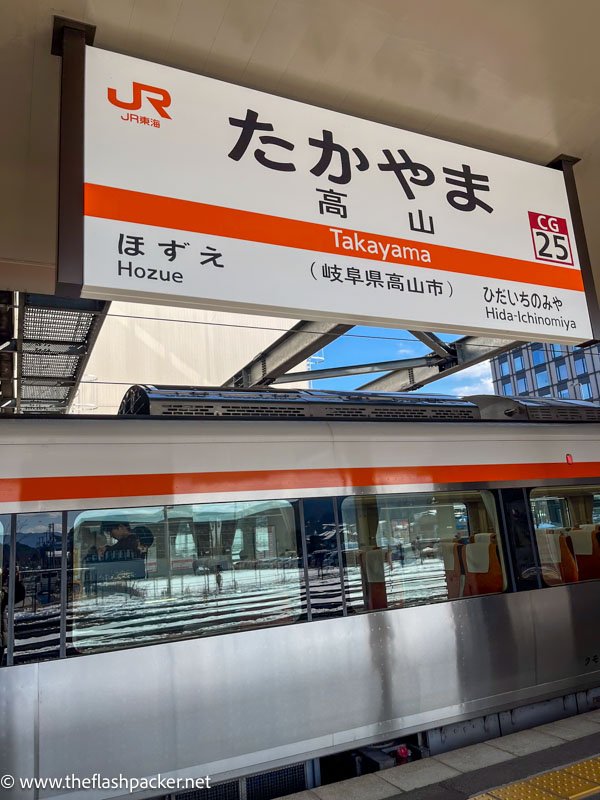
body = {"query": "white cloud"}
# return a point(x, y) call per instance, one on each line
point(482, 370)
point(484, 386)
point(474, 380)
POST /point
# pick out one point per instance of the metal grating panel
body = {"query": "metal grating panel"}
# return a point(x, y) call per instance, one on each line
point(54, 339)
point(60, 366)
point(221, 791)
point(47, 393)
point(276, 783)
point(48, 324)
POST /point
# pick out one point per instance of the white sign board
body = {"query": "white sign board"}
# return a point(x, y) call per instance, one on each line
point(201, 193)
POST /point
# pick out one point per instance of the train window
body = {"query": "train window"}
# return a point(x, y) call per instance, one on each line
point(144, 575)
point(37, 587)
point(4, 561)
point(323, 561)
point(567, 532)
point(407, 550)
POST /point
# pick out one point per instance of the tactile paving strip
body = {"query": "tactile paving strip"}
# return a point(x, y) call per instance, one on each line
point(573, 782)
point(588, 770)
point(521, 792)
point(564, 784)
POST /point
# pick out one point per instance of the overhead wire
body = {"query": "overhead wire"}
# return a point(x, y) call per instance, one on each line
point(334, 337)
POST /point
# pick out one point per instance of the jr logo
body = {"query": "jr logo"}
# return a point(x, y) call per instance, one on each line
point(158, 98)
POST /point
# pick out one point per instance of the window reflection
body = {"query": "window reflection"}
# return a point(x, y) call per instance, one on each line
point(151, 574)
point(406, 550)
point(4, 562)
point(37, 587)
point(562, 372)
point(538, 356)
point(580, 365)
point(567, 528)
point(323, 558)
point(542, 378)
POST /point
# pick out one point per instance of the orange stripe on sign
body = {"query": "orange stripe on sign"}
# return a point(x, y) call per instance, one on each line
point(151, 485)
point(123, 205)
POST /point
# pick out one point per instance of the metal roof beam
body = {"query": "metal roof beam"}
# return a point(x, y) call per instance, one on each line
point(81, 304)
point(441, 352)
point(47, 380)
point(403, 380)
point(295, 346)
point(472, 350)
point(357, 369)
point(469, 350)
point(434, 342)
point(53, 348)
point(47, 347)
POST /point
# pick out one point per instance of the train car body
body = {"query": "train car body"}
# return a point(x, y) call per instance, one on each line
point(306, 587)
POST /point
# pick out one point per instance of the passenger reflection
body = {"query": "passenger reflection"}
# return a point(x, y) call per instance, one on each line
point(93, 547)
point(400, 551)
point(126, 546)
point(145, 540)
point(95, 551)
point(104, 561)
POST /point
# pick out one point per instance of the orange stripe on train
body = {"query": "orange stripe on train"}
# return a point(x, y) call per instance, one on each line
point(149, 485)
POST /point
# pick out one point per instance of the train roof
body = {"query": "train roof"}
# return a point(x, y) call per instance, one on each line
point(317, 405)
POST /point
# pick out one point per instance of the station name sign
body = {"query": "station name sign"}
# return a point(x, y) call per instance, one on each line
point(202, 193)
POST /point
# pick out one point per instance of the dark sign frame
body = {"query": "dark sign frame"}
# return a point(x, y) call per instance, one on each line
point(69, 39)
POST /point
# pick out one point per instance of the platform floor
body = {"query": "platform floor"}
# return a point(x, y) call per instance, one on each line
point(557, 760)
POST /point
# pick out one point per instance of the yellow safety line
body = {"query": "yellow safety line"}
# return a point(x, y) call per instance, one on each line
point(573, 782)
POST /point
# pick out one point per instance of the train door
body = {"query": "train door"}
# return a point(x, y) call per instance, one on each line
point(519, 528)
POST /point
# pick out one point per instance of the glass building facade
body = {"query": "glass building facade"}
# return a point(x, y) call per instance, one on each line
point(548, 370)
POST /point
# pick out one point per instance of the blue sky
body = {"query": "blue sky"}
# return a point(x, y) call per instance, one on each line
point(364, 345)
